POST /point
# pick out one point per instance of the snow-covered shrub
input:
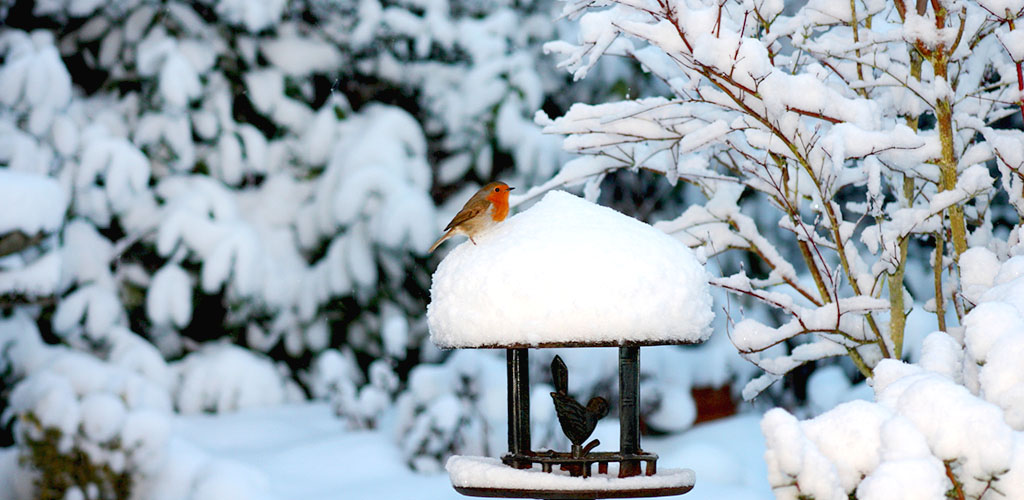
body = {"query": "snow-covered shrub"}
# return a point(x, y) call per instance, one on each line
point(100, 428)
point(669, 373)
point(993, 340)
point(85, 427)
point(336, 377)
point(32, 208)
point(924, 429)
point(449, 410)
point(224, 377)
point(835, 148)
point(476, 66)
point(949, 425)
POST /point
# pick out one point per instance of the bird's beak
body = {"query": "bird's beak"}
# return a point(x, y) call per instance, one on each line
point(510, 188)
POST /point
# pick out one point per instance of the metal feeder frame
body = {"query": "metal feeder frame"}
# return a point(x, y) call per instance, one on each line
point(633, 461)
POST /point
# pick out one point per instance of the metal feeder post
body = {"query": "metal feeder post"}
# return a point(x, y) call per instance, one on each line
point(518, 362)
point(629, 409)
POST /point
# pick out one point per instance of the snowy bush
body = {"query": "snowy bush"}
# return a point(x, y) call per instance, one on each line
point(859, 131)
point(336, 377)
point(100, 427)
point(222, 377)
point(948, 426)
point(922, 439)
point(449, 410)
point(86, 428)
point(29, 259)
point(993, 343)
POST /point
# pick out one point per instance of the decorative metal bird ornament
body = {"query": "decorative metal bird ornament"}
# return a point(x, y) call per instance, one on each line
point(577, 421)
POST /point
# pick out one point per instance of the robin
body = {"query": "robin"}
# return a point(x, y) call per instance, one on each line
point(487, 207)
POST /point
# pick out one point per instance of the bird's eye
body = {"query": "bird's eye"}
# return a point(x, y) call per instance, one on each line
point(497, 190)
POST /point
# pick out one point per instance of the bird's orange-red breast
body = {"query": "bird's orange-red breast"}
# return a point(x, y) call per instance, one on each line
point(487, 207)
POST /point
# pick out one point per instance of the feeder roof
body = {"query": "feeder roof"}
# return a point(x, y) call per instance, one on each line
point(567, 272)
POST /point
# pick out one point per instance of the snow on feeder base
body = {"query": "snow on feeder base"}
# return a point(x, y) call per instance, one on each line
point(569, 273)
point(489, 477)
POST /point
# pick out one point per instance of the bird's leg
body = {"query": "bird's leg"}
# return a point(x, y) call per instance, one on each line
point(471, 239)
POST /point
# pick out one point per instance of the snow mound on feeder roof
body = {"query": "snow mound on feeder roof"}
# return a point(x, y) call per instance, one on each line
point(567, 271)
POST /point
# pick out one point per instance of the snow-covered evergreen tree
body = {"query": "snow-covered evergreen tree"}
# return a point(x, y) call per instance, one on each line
point(198, 174)
point(265, 172)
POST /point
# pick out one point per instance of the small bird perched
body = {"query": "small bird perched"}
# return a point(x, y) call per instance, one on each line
point(486, 208)
point(577, 421)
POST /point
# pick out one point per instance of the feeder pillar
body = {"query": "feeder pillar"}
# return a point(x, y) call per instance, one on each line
point(629, 408)
point(518, 361)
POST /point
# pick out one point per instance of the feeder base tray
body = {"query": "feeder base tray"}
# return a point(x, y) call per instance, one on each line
point(488, 477)
point(573, 494)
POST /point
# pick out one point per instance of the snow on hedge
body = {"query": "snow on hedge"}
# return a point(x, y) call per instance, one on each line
point(569, 271)
point(959, 411)
point(117, 411)
point(30, 203)
point(223, 377)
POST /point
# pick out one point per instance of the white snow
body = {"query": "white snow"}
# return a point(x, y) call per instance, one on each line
point(921, 418)
point(569, 271)
point(978, 267)
point(487, 472)
point(103, 415)
point(30, 203)
point(1000, 8)
point(34, 77)
point(223, 377)
point(255, 16)
point(305, 452)
point(169, 298)
point(994, 344)
point(908, 472)
point(37, 278)
point(301, 56)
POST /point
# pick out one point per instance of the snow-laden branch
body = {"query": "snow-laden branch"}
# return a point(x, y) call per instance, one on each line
point(841, 115)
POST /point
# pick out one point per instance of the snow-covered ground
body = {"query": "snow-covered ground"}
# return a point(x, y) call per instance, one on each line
point(307, 453)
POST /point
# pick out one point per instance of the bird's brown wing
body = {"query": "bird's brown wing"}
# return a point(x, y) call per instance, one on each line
point(468, 212)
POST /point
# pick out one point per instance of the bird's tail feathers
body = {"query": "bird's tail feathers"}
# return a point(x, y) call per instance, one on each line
point(440, 240)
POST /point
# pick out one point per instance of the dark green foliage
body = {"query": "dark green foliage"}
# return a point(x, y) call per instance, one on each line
point(60, 471)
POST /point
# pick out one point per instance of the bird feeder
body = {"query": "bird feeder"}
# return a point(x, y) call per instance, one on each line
point(569, 273)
